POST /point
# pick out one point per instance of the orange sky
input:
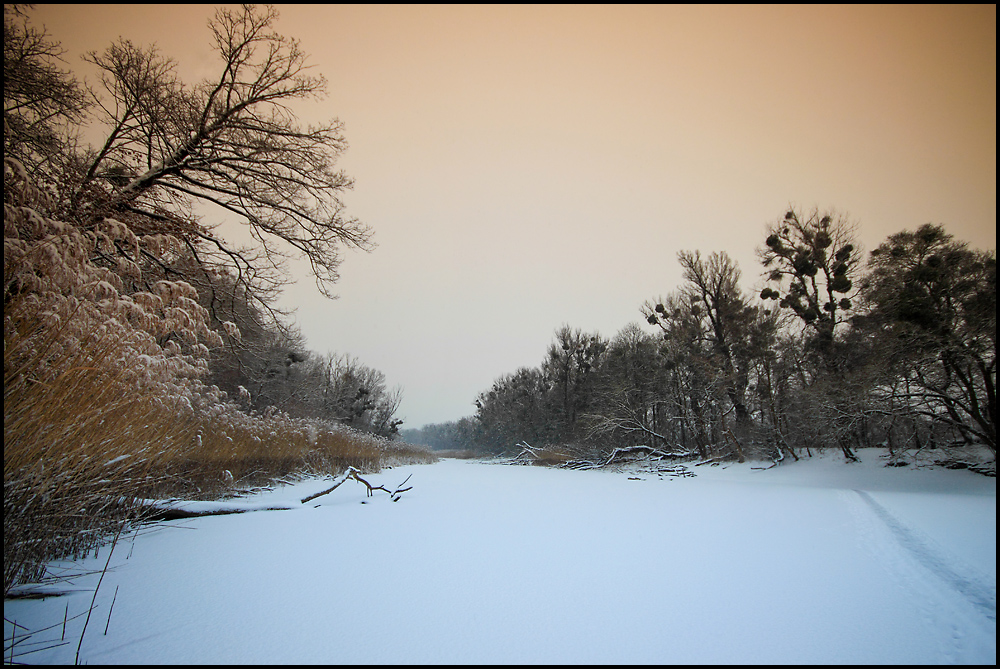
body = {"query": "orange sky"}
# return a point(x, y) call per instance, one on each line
point(525, 167)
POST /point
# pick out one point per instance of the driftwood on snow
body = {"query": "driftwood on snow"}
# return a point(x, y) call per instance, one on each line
point(627, 453)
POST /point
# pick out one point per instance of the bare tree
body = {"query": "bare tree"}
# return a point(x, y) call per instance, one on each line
point(38, 96)
point(355, 394)
point(631, 391)
point(514, 409)
point(569, 368)
point(232, 142)
point(714, 284)
point(812, 261)
point(720, 333)
point(933, 315)
point(690, 366)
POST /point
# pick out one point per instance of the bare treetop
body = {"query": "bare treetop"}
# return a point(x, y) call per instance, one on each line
point(233, 142)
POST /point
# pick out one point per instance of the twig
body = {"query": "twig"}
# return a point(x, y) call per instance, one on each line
point(397, 493)
point(371, 489)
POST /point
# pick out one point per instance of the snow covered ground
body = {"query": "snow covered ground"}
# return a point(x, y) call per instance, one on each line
point(812, 562)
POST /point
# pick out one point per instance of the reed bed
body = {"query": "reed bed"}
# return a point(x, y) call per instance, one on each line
point(85, 446)
point(103, 400)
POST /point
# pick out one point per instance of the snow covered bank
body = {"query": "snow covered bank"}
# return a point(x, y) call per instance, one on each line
point(812, 562)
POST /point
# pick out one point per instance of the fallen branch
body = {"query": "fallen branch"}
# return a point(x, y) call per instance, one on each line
point(713, 461)
point(581, 464)
point(337, 483)
point(625, 453)
point(352, 473)
point(647, 451)
point(652, 458)
point(546, 455)
point(394, 495)
point(528, 453)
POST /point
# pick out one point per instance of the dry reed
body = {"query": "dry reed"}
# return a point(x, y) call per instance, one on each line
point(103, 403)
point(83, 449)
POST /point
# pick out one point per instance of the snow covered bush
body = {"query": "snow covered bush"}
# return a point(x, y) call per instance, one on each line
point(92, 376)
point(104, 401)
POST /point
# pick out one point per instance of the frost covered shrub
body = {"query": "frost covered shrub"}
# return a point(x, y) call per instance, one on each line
point(91, 397)
point(103, 395)
point(79, 448)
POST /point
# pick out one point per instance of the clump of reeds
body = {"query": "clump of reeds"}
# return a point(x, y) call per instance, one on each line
point(84, 448)
point(256, 449)
point(103, 402)
point(78, 448)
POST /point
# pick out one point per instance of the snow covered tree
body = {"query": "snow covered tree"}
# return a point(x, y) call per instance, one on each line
point(933, 310)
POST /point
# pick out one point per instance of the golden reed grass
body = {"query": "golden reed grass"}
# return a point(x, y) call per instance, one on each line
point(82, 449)
point(103, 399)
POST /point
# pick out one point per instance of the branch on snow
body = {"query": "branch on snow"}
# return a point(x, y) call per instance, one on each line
point(352, 473)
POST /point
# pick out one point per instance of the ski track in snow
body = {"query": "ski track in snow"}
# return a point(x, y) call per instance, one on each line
point(956, 599)
point(971, 588)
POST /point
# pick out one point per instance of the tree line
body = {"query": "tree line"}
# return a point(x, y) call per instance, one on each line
point(836, 351)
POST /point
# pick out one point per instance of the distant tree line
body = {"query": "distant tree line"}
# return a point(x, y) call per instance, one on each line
point(455, 435)
point(834, 352)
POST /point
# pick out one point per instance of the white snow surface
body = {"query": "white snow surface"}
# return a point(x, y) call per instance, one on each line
point(816, 561)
